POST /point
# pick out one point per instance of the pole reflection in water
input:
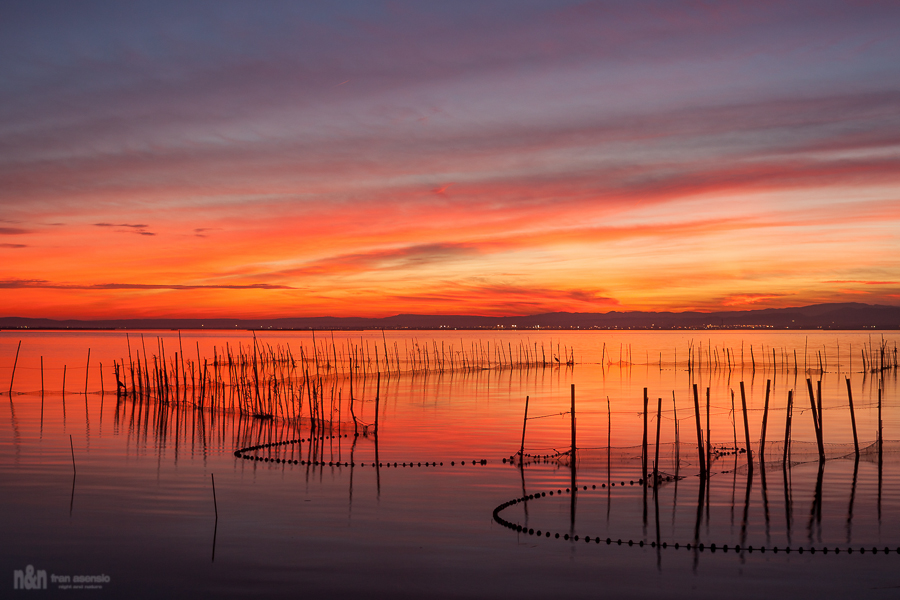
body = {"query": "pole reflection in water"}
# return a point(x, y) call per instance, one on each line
point(852, 498)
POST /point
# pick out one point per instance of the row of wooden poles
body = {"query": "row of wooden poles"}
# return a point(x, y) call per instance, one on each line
point(874, 358)
point(167, 377)
point(705, 449)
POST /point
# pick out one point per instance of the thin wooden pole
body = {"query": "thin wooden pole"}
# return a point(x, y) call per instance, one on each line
point(644, 443)
point(574, 447)
point(815, 415)
point(853, 419)
point(524, 421)
point(708, 432)
point(762, 439)
point(746, 428)
point(215, 503)
point(879, 421)
point(377, 399)
point(87, 370)
point(16, 362)
point(699, 432)
point(787, 425)
point(656, 457)
point(72, 448)
point(819, 406)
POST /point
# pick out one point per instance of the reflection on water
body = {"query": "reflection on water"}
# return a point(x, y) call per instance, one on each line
point(375, 469)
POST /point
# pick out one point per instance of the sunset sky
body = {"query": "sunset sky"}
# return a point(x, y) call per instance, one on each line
point(507, 158)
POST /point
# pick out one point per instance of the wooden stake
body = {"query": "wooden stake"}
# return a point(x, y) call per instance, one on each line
point(819, 406)
point(656, 458)
point(524, 421)
point(215, 503)
point(787, 425)
point(746, 428)
point(87, 370)
point(812, 405)
point(699, 432)
point(853, 419)
point(16, 362)
point(377, 398)
point(644, 443)
point(72, 447)
point(762, 439)
point(574, 447)
point(708, 433)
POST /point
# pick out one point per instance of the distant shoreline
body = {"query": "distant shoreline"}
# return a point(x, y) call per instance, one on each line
point(839, 317)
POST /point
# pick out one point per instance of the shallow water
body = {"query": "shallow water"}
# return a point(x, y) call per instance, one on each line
point(140, 509)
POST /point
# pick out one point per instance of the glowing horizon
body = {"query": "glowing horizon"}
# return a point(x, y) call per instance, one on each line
point(499, 159)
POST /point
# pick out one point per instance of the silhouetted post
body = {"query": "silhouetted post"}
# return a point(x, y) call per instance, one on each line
point(608, 444)
point(377, 397)
point(880, 455)
point(879, 423)
point(87, 370)
point(573, 424)
point(15, 362)
point(746, 428)
point(72, 448)
point(708, 431)
point(853, 419)
point(656, 457)
point(524, 421)
point(787, 425)
point(815, 414)
point(733, 424)
point(352, 412)
point(215, 504)
point(762, 439)
point(819, 406)
point(644, 443)
point(699, 432)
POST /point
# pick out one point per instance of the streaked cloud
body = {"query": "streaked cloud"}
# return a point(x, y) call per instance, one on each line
point(411, 157)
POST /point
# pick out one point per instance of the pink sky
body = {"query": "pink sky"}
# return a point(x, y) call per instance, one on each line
point(484, 158)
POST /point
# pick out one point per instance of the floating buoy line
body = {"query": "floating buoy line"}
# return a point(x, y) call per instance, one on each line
point(248, 454)
point(641, 543)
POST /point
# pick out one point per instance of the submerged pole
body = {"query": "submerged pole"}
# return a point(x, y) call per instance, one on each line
point(524, 421)
point(787, 425)
point(853, 419)
point(746, 428)
point(762, 439)
point(815, 415)
point(16, 362)
point(573, 423)
point(656, 457)
point(644, 443)
point(87, 370)
point(215, 504)
point(699, 432)
point(72, 448)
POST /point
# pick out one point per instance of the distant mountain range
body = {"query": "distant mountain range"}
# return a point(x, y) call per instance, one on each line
point(818, 316)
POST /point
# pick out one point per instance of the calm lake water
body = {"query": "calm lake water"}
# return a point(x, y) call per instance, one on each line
point(325, 520)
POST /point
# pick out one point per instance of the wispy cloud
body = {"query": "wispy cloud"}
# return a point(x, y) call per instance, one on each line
point(138, 228)
point(40, 283)
point(409, 257)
